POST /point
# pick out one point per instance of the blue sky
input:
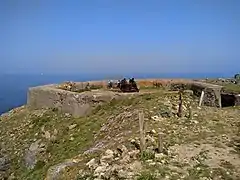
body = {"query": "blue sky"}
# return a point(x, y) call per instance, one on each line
point(88, 36)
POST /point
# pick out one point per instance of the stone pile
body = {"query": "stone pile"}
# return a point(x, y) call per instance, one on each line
point(118, 164)
point(124, 163)
point(170, 109)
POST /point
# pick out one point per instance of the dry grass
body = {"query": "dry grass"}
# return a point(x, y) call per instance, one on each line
point(194, 141)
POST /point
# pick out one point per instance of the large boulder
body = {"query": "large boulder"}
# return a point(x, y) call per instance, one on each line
point(4, 166)
point(30, 157)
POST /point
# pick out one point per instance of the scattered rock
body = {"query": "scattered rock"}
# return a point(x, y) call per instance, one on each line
point(156, 118)
point(134, 154)
point(136, 143)
point(53, 138)
point(97, 147)
point(67, 114)
point(55, 132)
point(92, 164)
point(195, 122)
point(149, 161)
point(152, 164)
point(136, 166)
point(72, 126)
point(159, 156)
point(175, 108)
point(150, 139)
point(153, 131)
point(167, 103)
point(43, 129)
point(125, 159)
point(55, 171)
point(12, 177)
point(184, 108)
point(124, 174)
point(116, 168)
point(100, 171)
point(109, 155)
point(122, 150)
point(82, 174)
point(47, 135)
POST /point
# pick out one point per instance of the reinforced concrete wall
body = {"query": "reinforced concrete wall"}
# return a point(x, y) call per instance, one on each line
point(77, 104)
point(81, 104)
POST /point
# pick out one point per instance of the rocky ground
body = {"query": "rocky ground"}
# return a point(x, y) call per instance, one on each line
point(46, 144)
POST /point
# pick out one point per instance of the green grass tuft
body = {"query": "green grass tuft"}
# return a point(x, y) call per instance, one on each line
point(146, 155)
point(146, 176)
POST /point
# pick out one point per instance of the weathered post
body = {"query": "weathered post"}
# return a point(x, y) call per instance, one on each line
point(218, 97)
point(160, 142)
point(201, 98)
point(179, 114)
point(142, 131)
point(190, 110)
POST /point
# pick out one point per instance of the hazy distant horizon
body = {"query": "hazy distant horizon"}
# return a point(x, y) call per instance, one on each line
point(14, 87)
point(106, 75)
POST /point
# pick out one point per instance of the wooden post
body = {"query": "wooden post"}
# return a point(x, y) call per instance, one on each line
point(190, 110)
point(220, 100)
point(179, 114)
point(142, 132)
point(160, 142)
point(201, 98)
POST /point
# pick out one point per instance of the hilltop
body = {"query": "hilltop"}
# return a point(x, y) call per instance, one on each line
point(49, 144)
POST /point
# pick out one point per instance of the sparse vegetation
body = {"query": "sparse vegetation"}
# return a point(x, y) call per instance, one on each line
point(194, 141)
point(146, 176)
point(227, 86)
point(146, 155)
point(235, 88)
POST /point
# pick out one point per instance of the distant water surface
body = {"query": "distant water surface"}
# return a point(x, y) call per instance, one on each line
point(13, 88)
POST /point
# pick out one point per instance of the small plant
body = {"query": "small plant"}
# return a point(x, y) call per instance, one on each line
point(146, 176)
point(199, 170)
point(40, 121)
point(39, 165)
point(146, 155)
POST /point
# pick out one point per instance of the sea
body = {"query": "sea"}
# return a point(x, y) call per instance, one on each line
point(14, 87)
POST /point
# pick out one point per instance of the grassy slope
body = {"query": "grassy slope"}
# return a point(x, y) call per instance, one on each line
point(232, 88)
point(22, 127)
point(228, 87)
